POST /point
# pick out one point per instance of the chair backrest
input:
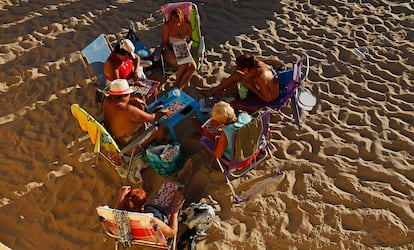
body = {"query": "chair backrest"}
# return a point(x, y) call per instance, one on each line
point(100, 137)
point(94, 56)
point(131, 228)
point(249, 140)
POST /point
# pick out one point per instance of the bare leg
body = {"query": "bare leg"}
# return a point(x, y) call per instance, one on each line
point(189, 72)
point(180, 73)
point(229, 83)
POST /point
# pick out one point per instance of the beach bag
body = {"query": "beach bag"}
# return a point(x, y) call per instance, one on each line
point(164, 158)
point(198, 217)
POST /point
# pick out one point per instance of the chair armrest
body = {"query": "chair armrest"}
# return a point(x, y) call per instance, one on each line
point(307, 68)
point(145, 63)
point(139, 140)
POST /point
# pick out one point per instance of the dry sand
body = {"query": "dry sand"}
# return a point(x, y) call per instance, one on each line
point(348, 176)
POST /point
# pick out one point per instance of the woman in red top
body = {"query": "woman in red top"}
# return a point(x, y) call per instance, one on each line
point(122, 63)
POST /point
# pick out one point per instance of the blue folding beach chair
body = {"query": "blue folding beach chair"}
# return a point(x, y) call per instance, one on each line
point(93, 57)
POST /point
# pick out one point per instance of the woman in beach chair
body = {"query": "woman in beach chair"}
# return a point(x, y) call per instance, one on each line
point(225, 123)
point(135, 200)
point(176, 30)
point(252, 75)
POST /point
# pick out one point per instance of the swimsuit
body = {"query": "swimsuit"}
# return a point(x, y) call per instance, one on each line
point(125, 68)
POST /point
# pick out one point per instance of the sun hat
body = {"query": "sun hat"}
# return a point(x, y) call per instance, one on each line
point(127, 45)
point(120, 87)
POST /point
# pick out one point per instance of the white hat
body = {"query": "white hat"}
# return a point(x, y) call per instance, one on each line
point(120, 87)
point(127, 45)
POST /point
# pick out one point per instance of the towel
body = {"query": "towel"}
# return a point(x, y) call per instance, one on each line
point(247, 139)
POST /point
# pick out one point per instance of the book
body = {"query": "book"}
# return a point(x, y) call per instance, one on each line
point(165, 194)
point(147, 87)
point(182, 52)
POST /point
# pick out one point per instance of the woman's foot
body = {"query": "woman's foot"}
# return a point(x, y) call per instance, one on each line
point(185, 173)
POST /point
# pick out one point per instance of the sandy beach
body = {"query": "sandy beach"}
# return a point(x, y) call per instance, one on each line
point(347, 177)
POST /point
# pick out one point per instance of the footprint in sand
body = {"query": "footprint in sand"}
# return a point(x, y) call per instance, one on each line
point(64, 169)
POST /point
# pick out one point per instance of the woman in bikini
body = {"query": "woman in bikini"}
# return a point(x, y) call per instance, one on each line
point(177, 28)
point(253, 74)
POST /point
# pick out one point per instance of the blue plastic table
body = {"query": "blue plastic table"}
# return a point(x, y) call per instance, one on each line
point(190, 106)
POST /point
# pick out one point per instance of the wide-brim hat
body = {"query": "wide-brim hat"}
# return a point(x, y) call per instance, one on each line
point(127, 45)
point(120, 87)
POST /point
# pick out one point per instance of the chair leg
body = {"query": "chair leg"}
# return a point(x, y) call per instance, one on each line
point(236, 198)
point(296, 111)
point(96, 161)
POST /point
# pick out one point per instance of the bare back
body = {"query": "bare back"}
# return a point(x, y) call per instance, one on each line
point(268, 84)
point(122, 118)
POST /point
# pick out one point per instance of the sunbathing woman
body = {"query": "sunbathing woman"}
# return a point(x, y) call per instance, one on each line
point(135, 200)
point(177, 28)
point(253, 74)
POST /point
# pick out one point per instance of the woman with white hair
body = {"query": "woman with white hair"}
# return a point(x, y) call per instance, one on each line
point(224, 118)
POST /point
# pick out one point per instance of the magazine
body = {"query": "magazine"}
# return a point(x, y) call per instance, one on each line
point(182, 52)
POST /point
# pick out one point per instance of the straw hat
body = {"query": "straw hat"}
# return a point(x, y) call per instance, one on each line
point(120, 87)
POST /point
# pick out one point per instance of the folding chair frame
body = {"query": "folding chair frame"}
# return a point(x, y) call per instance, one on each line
point(97, 52)
point(160, 242)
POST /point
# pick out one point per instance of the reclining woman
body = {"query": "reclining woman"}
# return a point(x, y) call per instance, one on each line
point(254, 75)
point(135, 200)
point(177, 28)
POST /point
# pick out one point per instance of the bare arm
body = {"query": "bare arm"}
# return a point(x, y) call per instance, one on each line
point(171, 229)
point(220, 145)
point(109, 71)
point(190, 32)
point(123, 191)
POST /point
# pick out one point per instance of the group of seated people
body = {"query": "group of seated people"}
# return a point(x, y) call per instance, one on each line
point(126, 117)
